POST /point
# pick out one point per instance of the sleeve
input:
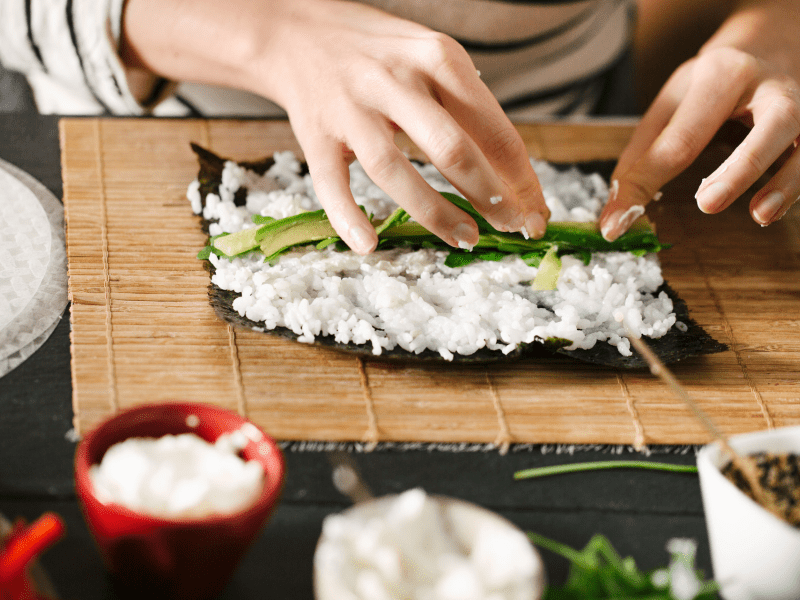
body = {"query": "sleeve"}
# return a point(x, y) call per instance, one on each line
point(68, 50)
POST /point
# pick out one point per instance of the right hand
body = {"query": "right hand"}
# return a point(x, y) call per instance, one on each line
point(349, 76)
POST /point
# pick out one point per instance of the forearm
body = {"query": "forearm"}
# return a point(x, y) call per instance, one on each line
point(213, 42)
point(766, 29)
point(668, 33)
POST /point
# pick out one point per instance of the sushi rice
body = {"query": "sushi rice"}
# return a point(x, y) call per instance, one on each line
point(409, 298)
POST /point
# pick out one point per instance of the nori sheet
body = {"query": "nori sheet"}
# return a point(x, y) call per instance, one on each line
point(676, 345)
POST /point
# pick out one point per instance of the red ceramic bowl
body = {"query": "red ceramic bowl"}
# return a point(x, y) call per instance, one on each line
point(175, 558)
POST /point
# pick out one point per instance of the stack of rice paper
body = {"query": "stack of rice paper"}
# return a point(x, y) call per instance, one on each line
point(33, 265)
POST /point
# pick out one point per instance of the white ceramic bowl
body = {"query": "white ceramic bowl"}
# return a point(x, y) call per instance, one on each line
point(755, 555)
point(463, 520)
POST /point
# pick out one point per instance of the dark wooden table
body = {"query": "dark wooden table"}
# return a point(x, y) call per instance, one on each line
point(637, 510)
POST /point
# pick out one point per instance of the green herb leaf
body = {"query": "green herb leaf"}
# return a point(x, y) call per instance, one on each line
point(459, 259)
point(586, 256)
point(327, 242)
point(603, 464)
point(463, 204)
point(598, 572)
point(533, 259)
point(398, 217)
point(492, 256)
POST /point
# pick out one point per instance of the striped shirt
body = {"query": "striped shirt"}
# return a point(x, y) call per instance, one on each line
point(551, 57)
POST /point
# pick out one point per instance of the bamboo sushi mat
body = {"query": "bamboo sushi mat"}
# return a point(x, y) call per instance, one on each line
point(143, 330)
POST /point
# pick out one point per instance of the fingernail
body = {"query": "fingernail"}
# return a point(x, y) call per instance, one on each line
point(711, 198)
point(535, 225)
point(619, 222)
point(465, 236)
point(766, 210)
point(362, 240)
point(608, 229)
point(613, 191)
point(514, 224)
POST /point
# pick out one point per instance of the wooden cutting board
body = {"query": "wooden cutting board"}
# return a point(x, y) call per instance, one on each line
point(143, 331)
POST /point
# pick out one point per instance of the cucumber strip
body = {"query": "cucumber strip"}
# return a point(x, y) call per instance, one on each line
point(249, 239)
point(299, 233)
point(549, 270)
point(239, 242)
point(306, 219)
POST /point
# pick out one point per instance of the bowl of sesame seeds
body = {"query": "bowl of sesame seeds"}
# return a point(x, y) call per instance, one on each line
point(755, 545)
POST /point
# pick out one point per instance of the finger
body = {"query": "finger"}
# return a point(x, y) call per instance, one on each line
point(459, 159)
point(710, 100)
point(781, 192)
point(775, 128)
point(654, 120)
point(394, 174)
point(328, 167)
point(618, 214)
point(502, 146)
point(470, 103)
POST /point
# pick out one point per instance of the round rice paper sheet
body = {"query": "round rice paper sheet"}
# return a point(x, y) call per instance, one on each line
point(33, 265)
point(24, 247)
point(12, 361)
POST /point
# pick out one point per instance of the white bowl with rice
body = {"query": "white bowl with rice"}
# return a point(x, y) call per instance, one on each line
point(413, 546)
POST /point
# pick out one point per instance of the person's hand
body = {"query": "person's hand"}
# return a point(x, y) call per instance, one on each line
point(349, 76)
point(719, 84)
point(355, 76)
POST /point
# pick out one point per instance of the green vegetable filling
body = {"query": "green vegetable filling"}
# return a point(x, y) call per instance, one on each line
point(273, 237)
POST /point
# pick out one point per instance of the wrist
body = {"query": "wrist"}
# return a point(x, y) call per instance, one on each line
point(766, 29)
point(202, 41)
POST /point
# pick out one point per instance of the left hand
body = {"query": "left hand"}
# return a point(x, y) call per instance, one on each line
point(719, 84)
